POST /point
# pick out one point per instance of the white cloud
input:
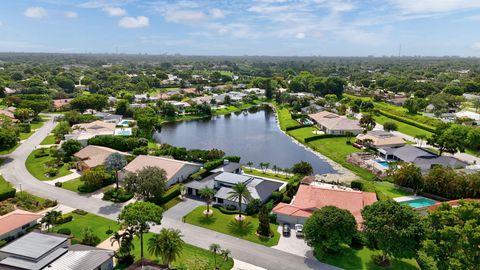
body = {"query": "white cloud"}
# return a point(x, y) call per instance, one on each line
point(186, 16)
point(476, 46)
point(1, 23)
point(71, 15)
point(115, 11)
point(216, 13)
point(434, 6)
point(300, 35)
point(134, 22)
point(35, 12)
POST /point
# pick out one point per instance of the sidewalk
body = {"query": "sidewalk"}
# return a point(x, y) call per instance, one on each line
point(73, 175)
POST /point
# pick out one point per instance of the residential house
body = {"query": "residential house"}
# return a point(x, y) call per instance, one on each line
point(312, 108)
point(83, 132)
point(60, 104)
point(236, 96)
point(256, 91)
point(9, 113)
point(16, 223)
point(92, 156)
point(177, 170)
point(222, 182)
point(312, 197)
point(180, 105)
point(421, 157)
point(141, 98)
point(201, 100)
point(36, 250)
point(227, 166)
point(109, 117)
point(380, 139)
point(335, 124)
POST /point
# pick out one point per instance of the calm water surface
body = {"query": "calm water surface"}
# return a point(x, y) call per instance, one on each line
point(252, 135)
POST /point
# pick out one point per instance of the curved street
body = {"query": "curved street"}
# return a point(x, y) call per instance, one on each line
point(13, 170)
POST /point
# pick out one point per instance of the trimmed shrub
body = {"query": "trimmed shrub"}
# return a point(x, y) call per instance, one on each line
point(65, 231)
point(170, 194)
point(49, 203)
point(232, 158)
point(140, 151)
point(3, 243)
point(41, 153)
point(24, 127)
point(212, 164)
point(114, 195)
point(230, 210)
point(80, 212)
point(362, 185)
point(7, 193)
point(64, 219)
point(58, 184)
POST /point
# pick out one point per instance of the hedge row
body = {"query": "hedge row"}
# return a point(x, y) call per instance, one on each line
point(407, 121)
point(323, 136)
point(226, 211)
point(170, 194)
point(119, 143)
point(6, 190)
point(295, 127)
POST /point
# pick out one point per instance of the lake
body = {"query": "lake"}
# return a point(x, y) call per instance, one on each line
point(252, 134)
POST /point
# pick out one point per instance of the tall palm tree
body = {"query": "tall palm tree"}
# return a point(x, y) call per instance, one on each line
point(275, 169)
point(225, 254)
point(215, 248)
point(239, 193)
point(167, 245)
point(51, 218)
point(250, 164)
point(208, 194)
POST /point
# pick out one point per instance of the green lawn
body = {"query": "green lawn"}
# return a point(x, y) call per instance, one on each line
point(4, 185)
point(72, 185)
point(337, 150)
point(360, 259)
point(171, 203)
point(228, 225)
point(390, 190)
point(279, 176)
point(192, 257)
point(403, 127)
point(285, 119)
point(36, 166)
point(98, 224)
point(50, 139)
point(236, 108)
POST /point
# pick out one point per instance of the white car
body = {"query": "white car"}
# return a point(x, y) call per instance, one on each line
point(299, 230)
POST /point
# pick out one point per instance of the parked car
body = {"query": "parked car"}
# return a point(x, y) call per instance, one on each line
point(286, 229)
point(299, 230)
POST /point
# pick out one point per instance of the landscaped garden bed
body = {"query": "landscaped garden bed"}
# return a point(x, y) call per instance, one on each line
point(43, 165)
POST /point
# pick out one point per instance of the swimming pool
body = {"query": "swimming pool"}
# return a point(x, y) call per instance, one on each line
point(418, 203)
point(124, 123)
point(382, 163)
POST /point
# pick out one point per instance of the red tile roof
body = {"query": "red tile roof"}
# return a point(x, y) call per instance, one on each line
point(310, 198)
point(16, 219)
point(452, 203)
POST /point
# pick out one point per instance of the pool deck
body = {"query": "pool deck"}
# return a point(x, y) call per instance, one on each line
point(408, 198)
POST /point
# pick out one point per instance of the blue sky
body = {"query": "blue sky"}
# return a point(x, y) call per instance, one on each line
point(262, 27)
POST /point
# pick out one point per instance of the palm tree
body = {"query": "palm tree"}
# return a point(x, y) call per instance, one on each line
point(250, 164)
point(275, 169)
point(262, 164)
point(215, 248)
point(267, 164)
point(225, 253)
point(239, 193)
point(208, 194)
point(168, 245)
point(51, 218)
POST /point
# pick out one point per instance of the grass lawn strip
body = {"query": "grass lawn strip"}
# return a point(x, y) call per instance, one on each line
point(98, 224)
point(192, 257)
point(36, 167)
point(361, 259)
point(390, 190)
point(50, 139)
point(228, 225)
point(402, 127)
point(72, 185)
point(278, 176)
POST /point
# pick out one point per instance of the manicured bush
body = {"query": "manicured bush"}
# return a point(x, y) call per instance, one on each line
point(49, 203)
point(41, 153)
point(232, 158)
point(80, 212)
point(3, 243)
point(114, 195)
point(7, 192)
point(213, 164)
point(65, 231)
point(170, 194)
point(140, 151)
point(24, 127)
point(227, 211)
point(362, 185)
point(64, 219)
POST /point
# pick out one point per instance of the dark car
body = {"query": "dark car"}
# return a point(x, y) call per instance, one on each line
point(286, 229)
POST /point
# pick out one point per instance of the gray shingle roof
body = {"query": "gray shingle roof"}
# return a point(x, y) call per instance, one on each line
point(232, 178)
point(409, 153)
point(34, 245)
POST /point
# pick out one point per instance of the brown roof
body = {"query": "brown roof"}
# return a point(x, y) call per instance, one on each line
point(16, 219)
point(334, 121)
point(8, 112)
point(94, 155)
point(95, 127)
point(381, 138)
point(171, 166)
point(310, 198)
point(58, 103)
point(452, 203)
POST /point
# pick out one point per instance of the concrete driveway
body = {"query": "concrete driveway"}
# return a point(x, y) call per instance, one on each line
point(294, 245)
point(182, 208)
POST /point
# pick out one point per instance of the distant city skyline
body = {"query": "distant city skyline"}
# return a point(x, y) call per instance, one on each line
point(261, 27)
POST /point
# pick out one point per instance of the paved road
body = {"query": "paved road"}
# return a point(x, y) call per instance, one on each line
point(13, 169)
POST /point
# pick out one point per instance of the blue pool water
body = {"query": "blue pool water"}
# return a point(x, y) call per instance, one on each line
point(382, 163)
point(417, 203)
point(124, 122)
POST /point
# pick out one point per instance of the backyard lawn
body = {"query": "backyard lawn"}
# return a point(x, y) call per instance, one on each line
point(4, 186)
point(285, 118)
point(36, 166)
point(99, 225)
point(361, 259)
point(402, 127)
point(278, 176)
point(191, 258)
point(50, 139)
point(390, 190)
point(228, 225)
